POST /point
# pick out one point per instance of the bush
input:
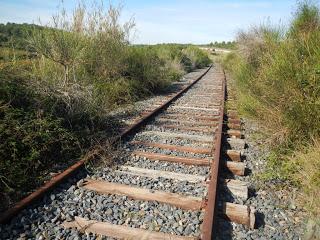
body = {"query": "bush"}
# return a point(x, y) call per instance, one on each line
point(199, 58)
point(281, 72)
point(30, 145)
point(147, 70)
point(37, 134)
point(80, 54)
point(31, 140)
point(14, 34)
point(54, 106)
point(278, 75)
point(91, 51)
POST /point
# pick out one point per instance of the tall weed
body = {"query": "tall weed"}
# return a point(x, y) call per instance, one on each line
point(86, 60)
point(278, 74)
point(281, 71)
point(307, 175)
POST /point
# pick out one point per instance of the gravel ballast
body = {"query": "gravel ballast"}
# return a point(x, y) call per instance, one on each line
point(44, 221)
point(277, 216)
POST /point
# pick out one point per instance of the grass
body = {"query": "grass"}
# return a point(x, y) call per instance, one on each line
point(277, 72)
point(307, 175)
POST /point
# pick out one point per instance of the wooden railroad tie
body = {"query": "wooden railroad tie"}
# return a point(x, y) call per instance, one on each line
point(237, 168)
point(193, 137)
point(187, 128)
point(171, 158)
point(174, 147)
point(235, 126)
point(236, 187)
point(234, 155)
point(234, 133)
point(235, 212)
point(188, 122)
point(154, 174)
point(205, 117)
point(234, 120)
point(237, 143)
point(137, 193)
point(120, 231)
point(209, 118)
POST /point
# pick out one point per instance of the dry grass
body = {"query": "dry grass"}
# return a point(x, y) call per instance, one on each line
point(277, 73)
point(308, 176)
point(102, 155)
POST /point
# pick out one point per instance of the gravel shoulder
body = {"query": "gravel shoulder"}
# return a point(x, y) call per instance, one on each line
point(277, 217)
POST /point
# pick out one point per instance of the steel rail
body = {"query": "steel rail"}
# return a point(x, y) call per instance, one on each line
point(210, 210)
point(53, 182)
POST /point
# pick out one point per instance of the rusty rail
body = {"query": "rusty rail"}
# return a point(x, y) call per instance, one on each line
point(210, 210)
point(52, 183)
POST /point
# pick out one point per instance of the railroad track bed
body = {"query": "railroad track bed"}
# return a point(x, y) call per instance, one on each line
point(234, 145)
point(119, 119)
point(277, 217)
point(162, 184)
point(128, 115)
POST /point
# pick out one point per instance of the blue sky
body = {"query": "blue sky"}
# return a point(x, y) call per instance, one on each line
point(182, 21)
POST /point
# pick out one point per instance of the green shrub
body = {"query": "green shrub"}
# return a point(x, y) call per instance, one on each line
point(32, 140)
point(30, 145)
point(37, 133)
point(86, 61)
point(14, 34)
point(199, 58)
point(280, 71)
point(54, 106)
point(278, 74)
point(146, 68)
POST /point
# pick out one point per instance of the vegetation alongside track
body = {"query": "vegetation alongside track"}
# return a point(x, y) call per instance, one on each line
point(278, 74)
point(224, 45)
point(54, 97)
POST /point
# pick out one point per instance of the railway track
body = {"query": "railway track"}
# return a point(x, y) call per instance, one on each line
point(163, 184)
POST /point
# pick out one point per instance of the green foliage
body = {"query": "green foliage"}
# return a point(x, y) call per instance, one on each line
point(31, 139)
point(54, 103)
point(306, 21)
point(281, 72)
point(89, 59)
point(149, 70)
point(223, 44)
point(15, 35)
point(13, 41)
point(199, 58)
point(277, 73)
point(10, 54)
point(31, 144)
point(146, 70)
point(301, 168)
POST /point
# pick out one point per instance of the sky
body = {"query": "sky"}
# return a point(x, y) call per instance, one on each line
point(179, 21)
